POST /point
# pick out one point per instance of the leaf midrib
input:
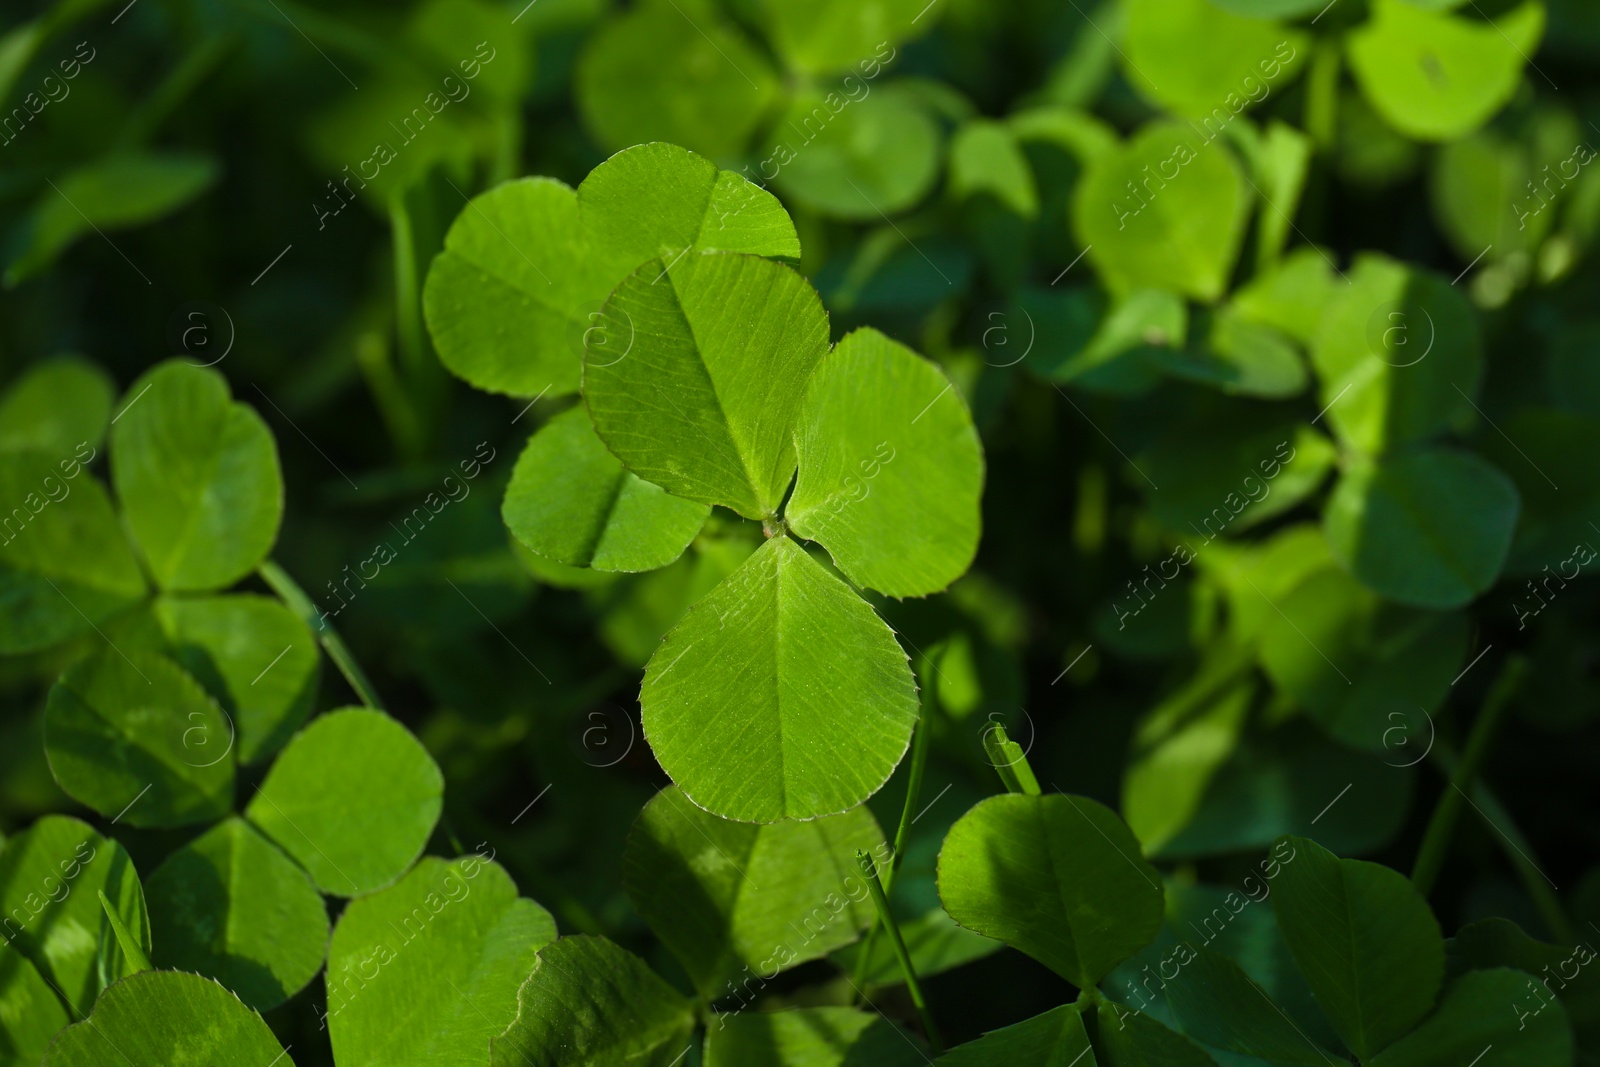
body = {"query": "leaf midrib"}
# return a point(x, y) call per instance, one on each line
point(722, 412)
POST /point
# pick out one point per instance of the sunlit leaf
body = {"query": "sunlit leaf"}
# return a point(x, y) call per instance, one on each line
point(705, 403)
point(354, 824)
point(1166, 211)
point(1436, 76)
point(514, 299)
point(823, 36)
point(1247, 58)
point(167, 1017)
point(734, 710)
point(854, 157)
point(656, 74)
point(891, 469)
point(426, 972)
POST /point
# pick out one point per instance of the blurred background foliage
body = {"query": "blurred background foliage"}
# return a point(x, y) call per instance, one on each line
point(176, 178)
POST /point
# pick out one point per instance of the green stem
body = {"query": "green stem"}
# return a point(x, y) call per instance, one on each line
point(1518, 849)
point(914, 987)
point(295, 598)
point(196, 67)
point(407, 300)
point(1322, 96)
point(1010, 762)
point(372, 356)
point(902, 835)
point(1436, 841)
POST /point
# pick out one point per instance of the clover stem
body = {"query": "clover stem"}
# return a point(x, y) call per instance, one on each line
point(1516, 846)
point(407, 301)
point(902, 835)
point(913, 987)
point(1436, 840)
point(1010, 762)
point(296, 600)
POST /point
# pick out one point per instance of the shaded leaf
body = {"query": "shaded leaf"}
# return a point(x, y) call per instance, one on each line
point(572, 501)
point(1216, 1003)
point(56, 407)
point(1364, 939)
point(230, 906)
point(50, 878)
point(30, 1011)
point(255, 656)
point(810, 1037)
point(593, 1004)
point(733, 899)
point(111, 193)
point(1369, 671)
point(1054, 1039)
point(1430, 527)
point(140, 739)
point(65, 564)
point(1398, 353)
point(1133, 1039)
point(197, 474)
point(1058, 877)
point(1473, 1020)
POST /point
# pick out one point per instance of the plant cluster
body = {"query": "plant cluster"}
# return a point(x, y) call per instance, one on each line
point(913, 532)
